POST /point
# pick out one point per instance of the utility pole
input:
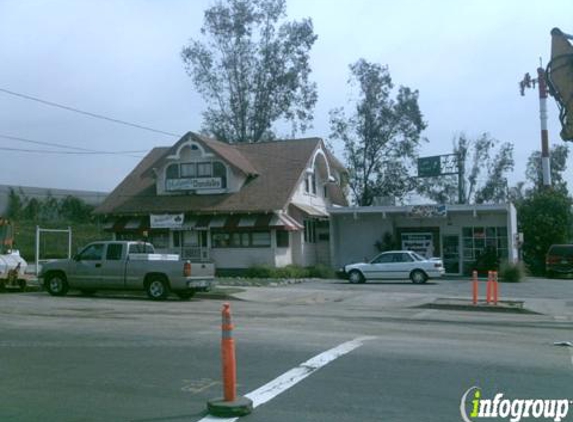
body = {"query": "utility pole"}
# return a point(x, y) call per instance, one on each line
point(529, 82)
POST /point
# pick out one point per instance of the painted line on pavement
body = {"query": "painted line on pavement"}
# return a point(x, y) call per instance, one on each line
point(290, 378)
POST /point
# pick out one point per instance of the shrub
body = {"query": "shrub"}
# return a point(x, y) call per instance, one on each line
point(510, 272)
point(259, 271)
point(321, 271)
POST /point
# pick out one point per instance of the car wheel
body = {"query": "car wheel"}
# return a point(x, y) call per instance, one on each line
point(355, 277)
point(418, 277)
point(157, 289)
point(186, 294)
point(56, 284)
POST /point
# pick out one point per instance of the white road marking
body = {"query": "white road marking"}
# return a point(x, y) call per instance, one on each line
point(290, 378)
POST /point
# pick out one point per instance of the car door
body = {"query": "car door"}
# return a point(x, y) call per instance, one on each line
point(380, 266)
point(85, 271)
point(113, 267)
point(402, 265)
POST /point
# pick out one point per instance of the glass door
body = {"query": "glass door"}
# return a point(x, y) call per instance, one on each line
point(451, 248)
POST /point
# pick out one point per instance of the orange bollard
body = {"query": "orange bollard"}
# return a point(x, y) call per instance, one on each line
point(489, 287)
point(228, 355)
point(475, 287)
point(495, 288)
point(230, 404)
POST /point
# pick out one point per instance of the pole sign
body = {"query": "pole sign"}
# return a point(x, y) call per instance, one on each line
point(429, 166)
point(438, 165)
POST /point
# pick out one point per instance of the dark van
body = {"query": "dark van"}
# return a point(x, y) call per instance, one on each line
point(559, 260)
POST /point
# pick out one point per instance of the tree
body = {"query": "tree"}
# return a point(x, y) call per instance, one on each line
point(381, 136)
point(558, 164)
point(545, 218)
point(252, 70)
point(486, 163)
point(15, 205)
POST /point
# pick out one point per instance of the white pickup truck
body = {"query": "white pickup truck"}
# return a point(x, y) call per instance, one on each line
point(123, 265)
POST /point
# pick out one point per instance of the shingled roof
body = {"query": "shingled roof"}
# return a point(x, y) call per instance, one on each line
point(274, 170)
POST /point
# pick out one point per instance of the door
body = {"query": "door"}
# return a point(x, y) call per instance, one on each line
point(86, 268)
point(451, 249)
point(381, 266)
point(113, 267)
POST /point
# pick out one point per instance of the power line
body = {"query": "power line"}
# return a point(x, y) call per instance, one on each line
point(87, 113)
point(46, 151)
point(32, 141)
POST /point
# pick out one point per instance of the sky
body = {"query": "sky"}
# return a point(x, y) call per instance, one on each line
point(121, 59)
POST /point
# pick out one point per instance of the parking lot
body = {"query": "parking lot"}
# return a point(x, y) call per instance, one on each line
point(121, 357)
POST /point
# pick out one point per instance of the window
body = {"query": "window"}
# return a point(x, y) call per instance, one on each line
point(172, 171)
point(383, 258)
point(477, 241)
point(188, 170)
point(313, 183)
point(241, 239)
point(204, 170)
point(114, 252)
point(310, 231)
point(306, 185)
point(159, 240)
point(141, 248)
point(403, 257)
point(92, 253)
point(219, 170)
point(282, 239)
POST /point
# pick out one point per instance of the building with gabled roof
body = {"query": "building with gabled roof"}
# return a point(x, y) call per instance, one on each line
point(236, 204)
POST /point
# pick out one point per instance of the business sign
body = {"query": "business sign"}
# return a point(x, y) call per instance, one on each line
point(438, 165)
point(194, 184)
point(166, 221)
point(428, 211)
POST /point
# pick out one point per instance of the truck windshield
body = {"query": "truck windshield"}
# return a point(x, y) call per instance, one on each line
point(141, 248)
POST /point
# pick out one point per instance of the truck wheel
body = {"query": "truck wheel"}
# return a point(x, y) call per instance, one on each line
point(56, 284)
point(186, 294)
point(157, 288)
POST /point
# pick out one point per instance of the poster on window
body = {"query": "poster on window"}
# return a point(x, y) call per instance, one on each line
point(421, 243)
point(166, 221)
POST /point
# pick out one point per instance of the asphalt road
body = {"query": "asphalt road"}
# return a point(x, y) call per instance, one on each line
point(124, 358)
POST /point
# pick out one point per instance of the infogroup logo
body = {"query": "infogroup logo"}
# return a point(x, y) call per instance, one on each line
point(474, 407)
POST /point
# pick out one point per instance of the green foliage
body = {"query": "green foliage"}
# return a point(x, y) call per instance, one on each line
point(68, 209)
point(545, 218)
point(252, 69)
point(387, 243)
point(381, 135)
point(488, 260)
point(290, 271)
point(54, 246)
point(558, 165)
point(486, 163)
point(510, 272)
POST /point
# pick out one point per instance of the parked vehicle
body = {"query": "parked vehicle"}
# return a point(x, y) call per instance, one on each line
point(395, 265)
point(559, 260)
point(12, 265)
point(127, 266)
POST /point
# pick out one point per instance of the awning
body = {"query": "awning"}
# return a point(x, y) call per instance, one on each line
point(229, 222)
point(310, 210)
point(120, 224)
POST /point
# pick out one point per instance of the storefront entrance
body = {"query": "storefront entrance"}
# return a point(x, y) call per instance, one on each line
point(451, 257)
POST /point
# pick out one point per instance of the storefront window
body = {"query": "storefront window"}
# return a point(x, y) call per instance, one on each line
point(481, 241)
point(241, 239)
point(160, 240)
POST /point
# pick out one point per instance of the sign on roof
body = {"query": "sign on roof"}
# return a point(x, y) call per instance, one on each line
point(194, 184)
point(166, 221)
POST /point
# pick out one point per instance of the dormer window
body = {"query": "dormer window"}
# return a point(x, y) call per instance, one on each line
point(206, 175)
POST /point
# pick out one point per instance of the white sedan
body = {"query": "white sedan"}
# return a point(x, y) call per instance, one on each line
point(395, 265)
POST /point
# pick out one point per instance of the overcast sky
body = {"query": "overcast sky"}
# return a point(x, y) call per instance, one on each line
point(122, 59)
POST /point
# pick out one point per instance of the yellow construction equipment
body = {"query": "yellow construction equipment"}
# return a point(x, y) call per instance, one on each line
point(559, 76)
